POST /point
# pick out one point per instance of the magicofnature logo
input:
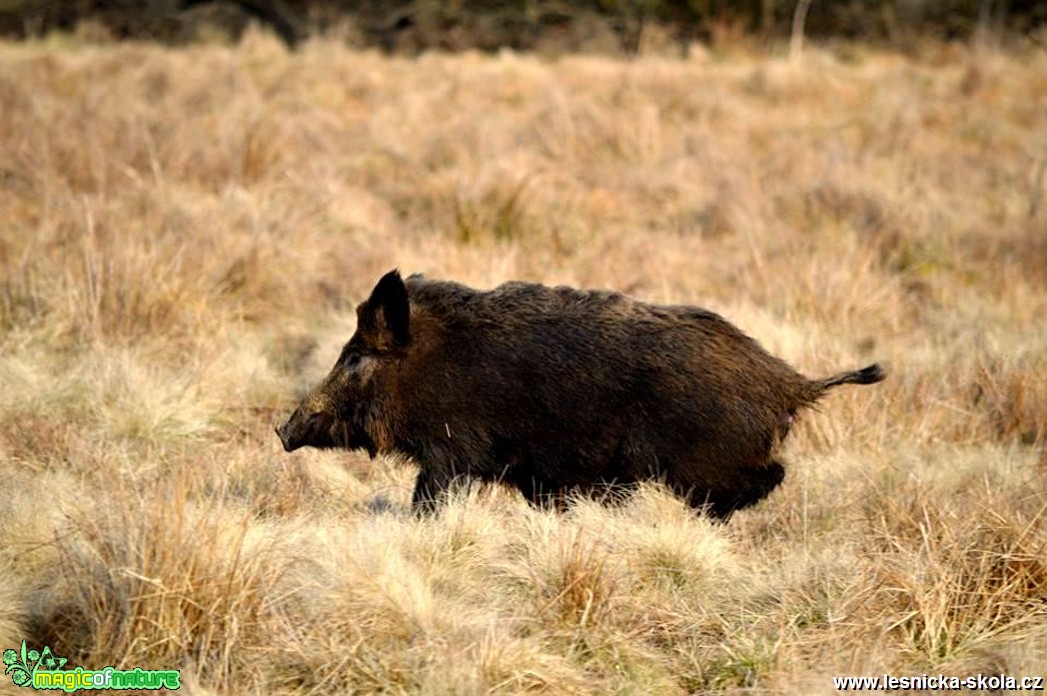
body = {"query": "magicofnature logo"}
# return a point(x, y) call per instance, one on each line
point(42, 669)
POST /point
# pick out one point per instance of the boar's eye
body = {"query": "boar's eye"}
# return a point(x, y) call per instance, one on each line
point(350, 357)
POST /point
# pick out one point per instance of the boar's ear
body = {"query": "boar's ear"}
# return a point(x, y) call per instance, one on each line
point(384, 317)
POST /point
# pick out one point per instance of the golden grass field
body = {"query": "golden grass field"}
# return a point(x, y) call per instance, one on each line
point(184, 235)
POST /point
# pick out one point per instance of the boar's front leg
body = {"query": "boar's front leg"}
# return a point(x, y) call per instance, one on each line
point(432, 486)
point(426, 489)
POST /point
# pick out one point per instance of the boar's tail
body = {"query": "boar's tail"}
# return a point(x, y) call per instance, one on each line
point(867, 375)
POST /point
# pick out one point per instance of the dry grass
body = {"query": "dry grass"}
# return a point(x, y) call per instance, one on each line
point(185, 234)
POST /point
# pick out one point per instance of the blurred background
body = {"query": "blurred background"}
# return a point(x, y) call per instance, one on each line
point(625, 25)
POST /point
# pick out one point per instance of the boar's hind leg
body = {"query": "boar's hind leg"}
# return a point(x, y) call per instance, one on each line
point(754, 484)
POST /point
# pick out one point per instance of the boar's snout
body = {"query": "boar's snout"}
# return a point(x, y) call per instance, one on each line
point(288, 433)
point(285, 439)
point(301, 430)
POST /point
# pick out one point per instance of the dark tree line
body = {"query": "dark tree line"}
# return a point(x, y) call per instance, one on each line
point(485, 24)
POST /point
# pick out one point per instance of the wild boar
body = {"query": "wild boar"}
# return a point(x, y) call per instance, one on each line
point(553, 390)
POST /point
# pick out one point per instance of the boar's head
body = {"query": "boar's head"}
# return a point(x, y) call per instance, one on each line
point(345, 409)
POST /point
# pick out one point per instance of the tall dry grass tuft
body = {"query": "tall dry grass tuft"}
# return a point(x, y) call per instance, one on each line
point(959, 578)
point(1012, 400)
point(148, 574)
point(579, 589)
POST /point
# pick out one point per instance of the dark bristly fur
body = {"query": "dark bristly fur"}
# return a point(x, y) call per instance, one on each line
point(553, 390)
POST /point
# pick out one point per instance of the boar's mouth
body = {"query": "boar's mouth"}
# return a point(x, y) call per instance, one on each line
point(303, 430)
point(322, 431)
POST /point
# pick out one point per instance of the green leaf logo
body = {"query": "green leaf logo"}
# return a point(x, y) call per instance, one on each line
point(50, 661)
point(10, 657)
point(21, 665)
